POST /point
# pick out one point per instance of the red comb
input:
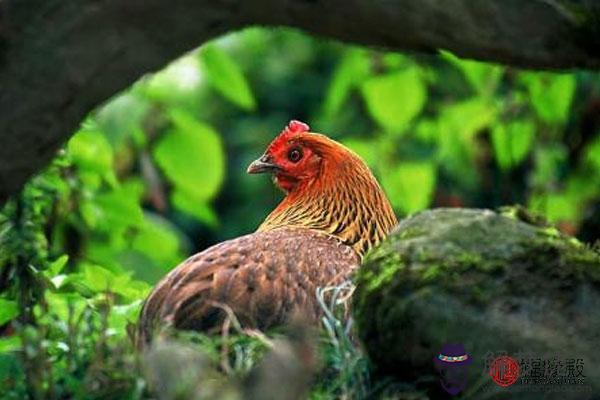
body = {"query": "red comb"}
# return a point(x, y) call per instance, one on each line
point(292, 128)
point(296, 127)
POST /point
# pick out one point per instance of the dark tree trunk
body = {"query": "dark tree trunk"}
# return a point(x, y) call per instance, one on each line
point(59, 59)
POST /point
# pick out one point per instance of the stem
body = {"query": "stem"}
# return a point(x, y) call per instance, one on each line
point(34, 358)
point(26, 317)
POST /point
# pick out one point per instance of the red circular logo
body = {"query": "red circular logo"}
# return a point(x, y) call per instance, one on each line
point(504, 371)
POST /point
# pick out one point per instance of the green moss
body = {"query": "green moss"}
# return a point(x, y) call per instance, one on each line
point(520, 213)
point(551, 231)
point(411, 232)
point(432, 272)
point(388, 267)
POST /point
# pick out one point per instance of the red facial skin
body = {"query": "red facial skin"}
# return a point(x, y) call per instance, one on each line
point(293, 172)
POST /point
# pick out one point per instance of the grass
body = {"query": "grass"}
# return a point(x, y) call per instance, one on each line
point(84, 357)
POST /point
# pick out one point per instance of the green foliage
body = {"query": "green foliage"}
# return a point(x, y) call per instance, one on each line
point(225, 75)
point(122, 119)
point(592, 156)
point(512, 142)
point(550, 95)
point(396, 98)
point(190, 154)
point(112, 209)
point(158, 238)
point(348, 75)
point(91, 152)
point(483, 77)
point(410, 185)
point(8, 310)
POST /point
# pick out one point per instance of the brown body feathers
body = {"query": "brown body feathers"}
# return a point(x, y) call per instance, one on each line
point(333, 212)
point(261, 277)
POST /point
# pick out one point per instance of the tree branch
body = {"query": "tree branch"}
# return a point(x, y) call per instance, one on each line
point(59, 59)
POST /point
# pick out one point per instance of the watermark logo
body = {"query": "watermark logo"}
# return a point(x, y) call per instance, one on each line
point(504, 370)
point(451, 363)
point(524, 371)
point(521, 371)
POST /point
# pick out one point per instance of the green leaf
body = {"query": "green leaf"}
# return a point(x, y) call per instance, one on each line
point(457, 126)
point(365, 148)
point(97, 278)
point(351, 71)
point(582, 187)
point(142, 266)
point(551, 94)
point(197, 208)
point(130, 289)
point(395, 60)
point(112, 209)
point(122, 117)
point(57, 265)
point(92, 153)
point(8, 310)
point(556, 207)
point(426, 130)
point(192, 157)
point(10, 343)
point(122, 314)
point(468, 117)
point(549, 160)
point(134, 187)
point(178, 83)
point(226, 77)
point(58, 281)
point(512, 142)
point(59, 302)
point(410, 185)
point(159, 239)
point(592, 154)
point(393, 100)
point(483, 77)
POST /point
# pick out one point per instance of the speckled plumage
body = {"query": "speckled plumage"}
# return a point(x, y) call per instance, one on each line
point(262, 277)
point(333, 212)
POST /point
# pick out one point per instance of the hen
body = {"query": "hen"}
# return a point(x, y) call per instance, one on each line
point(333, 212)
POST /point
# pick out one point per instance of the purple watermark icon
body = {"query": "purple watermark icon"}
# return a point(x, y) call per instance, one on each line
point(451, 363)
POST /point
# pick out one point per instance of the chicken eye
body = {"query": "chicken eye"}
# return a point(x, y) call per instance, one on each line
point(295, 155)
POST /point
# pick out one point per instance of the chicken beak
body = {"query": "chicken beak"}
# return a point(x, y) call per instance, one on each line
point(262, 165)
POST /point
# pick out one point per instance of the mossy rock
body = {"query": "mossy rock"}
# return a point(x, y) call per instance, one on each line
point(494, 282)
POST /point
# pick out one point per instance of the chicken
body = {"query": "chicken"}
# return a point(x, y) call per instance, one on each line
point(333, 212)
